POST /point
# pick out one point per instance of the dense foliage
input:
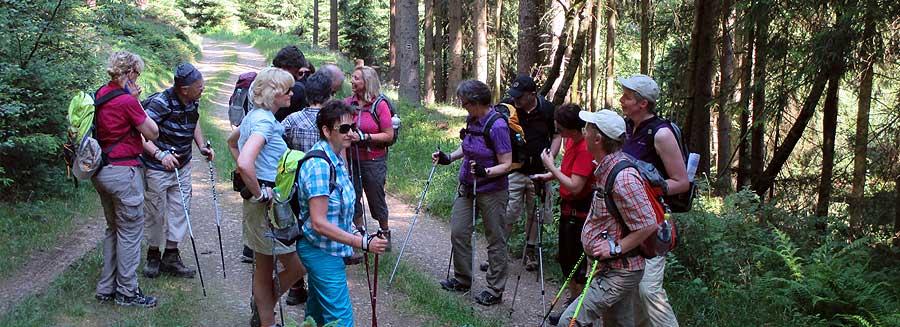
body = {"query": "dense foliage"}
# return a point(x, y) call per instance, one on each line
point(204, 14)
point(48, 52)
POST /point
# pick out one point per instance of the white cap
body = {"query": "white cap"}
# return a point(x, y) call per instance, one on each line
point(643, 85)
point(610, 123)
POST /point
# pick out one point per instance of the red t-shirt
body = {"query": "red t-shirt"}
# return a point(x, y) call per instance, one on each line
point(118, 117)
point(578, 161)
point(365, 121)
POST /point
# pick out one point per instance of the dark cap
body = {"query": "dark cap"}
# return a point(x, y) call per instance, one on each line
point(523, 84)
point(186, 74)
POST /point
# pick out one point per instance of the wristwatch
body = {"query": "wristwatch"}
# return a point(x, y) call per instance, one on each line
point(614, 248)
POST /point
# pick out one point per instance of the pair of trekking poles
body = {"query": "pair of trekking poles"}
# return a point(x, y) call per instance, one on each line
point(187, 216)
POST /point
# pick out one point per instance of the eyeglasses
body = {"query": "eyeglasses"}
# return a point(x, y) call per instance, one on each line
point(345, 128)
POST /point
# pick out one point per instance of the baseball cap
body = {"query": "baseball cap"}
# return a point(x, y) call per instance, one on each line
point(643, 85)
point(523, 84)
point(610, 123)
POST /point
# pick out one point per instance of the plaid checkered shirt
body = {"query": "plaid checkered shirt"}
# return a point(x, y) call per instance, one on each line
point(300, 130)
point(314, 176)
point(633, 203)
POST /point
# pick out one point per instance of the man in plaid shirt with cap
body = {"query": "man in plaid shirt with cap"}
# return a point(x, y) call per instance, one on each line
point(619, 271)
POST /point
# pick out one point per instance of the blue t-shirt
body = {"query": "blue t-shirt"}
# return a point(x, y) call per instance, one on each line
point(262, 122)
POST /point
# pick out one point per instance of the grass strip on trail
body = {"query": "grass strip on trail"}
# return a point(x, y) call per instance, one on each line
point(217, 133)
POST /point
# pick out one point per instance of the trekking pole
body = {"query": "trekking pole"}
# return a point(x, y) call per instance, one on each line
point(413, 224)
point(449, 261)
point(187, 217)
point(562, 289)
point(474, 215)
point(528, 226)
point(275, 265)
point(212, 180)
point(512, 307)
point(375, 291)
point(540, 238)
point(581, 298)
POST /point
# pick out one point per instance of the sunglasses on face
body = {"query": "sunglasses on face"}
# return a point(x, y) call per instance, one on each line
point(345, 128)
point(288, 91)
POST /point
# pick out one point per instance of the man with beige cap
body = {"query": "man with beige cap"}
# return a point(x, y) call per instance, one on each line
point(650, 138)
point(609, 241)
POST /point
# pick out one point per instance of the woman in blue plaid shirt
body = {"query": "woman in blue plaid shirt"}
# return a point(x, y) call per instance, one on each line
point(327, 236)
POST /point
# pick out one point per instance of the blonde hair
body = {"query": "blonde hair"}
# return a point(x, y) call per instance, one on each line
point(269, 83)
point(123, 62)
point(373, 84)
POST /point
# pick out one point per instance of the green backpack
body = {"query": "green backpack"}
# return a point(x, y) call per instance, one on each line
point(286, 206)
point(84, 156)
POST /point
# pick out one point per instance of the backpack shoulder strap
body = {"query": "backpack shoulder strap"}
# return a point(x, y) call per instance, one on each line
point(676, 131)
point(608, 192)
point(99, 102)
point(332, 173)
point(486, 132)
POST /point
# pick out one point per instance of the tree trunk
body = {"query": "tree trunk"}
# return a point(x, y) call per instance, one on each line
point(897, 211)
point(743, 173)
point(608, 89)
point(757, 138)
point(429, 51)
point(559, 9)
point(315, 34)
point(333, 29)
point(645, 37)
point(440, 47)
point(479, 19)
point(498, 46)
point(584, 25)
point(394, 75)
point(700, 87)
point(860, 147)
point(528, 39)
point(408, 51)
point(560, 52)
point(726, 95)
point(591, 64)
point(829, 131)
point(454, 29)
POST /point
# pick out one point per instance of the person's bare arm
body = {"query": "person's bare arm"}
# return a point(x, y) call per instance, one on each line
point(149, 129)
point(246, 162)
point(502, 167)
point(233, 143)
point(201, 144)
point(668, 150)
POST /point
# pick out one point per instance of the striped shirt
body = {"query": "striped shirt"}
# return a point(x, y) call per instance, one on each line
point(300, 130)
point(176, 122)
point(633, 203)
point(314, 180)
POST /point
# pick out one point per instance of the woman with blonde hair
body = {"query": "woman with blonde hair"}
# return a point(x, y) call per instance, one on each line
point(121, 126)
point(257, 146)
point(370, 147)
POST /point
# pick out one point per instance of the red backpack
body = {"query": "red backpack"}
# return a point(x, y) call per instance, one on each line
point(665, 238)
point(239, 103)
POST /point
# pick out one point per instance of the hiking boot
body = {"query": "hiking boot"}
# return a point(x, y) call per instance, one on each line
point(138, 300)
point(151, 269)
point(484, 266)
point(488, 299)
point(530, 259)
point(103, 298)
point(386, 233)
point(454, 285)
point(296, 295)
point(554, 318)
point(247, 255)
point(172, 264)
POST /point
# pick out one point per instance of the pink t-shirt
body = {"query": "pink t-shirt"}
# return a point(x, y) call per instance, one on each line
point(365, 121)
point(117, 118)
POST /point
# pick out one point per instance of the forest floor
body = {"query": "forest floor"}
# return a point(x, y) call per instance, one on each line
point(425, 258)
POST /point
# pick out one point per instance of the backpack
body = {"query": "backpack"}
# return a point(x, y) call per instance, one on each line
point(506, 112)
point(681, 202)
point(665, 239)
point(239, 104)
point(83, 153)
point(286, 202)
point(395, 118)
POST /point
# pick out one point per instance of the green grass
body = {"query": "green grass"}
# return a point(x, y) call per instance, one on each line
point(70, 301)
point(214, 133)
point(34, 224)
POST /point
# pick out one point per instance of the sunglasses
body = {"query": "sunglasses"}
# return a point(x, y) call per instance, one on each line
point(288, 91)
point(345, 128)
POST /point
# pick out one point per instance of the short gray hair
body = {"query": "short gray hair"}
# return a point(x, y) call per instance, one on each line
point(474, 91)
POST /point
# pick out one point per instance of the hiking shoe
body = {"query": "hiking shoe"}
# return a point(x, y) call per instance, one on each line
point(530, 260)
point(488, 299)
point(103, 298)
point(484, 266)
point(247, 255)
point(296, 295)
point(138, 300)
point(172, 264)
point(454, 285)
point(151, 269)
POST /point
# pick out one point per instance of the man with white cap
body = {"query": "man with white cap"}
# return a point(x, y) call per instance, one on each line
point(650, 138)
point(605, 238)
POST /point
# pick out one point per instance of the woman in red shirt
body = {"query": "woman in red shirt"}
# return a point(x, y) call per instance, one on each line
point(575, 178)
point(368, 155)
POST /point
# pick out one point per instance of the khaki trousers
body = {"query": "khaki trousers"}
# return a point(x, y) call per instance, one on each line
point(165, 215)
point(121, 190)
point(491, 206)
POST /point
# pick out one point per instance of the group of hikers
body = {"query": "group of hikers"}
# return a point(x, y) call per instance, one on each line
point(508, 153)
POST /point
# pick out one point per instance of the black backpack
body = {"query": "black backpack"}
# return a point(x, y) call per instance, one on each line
point(681, 202)
point(395, 118)
point(506, 112)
